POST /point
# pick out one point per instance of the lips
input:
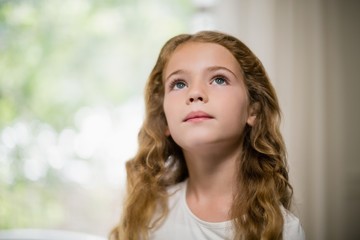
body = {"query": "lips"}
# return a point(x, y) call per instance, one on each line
point(197, 116)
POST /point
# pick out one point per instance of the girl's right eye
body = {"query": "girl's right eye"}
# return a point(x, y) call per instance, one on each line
point(177, 84)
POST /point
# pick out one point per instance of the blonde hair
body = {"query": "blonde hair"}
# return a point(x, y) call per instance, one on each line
point(262, 178)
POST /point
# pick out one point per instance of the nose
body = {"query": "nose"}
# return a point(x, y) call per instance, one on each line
point(197, 94)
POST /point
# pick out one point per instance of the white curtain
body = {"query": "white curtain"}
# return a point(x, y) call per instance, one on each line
point(311, 52)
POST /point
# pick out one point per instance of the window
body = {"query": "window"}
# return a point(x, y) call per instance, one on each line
point(72, 75)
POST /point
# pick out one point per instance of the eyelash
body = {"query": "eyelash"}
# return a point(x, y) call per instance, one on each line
point(173, 83)
point(226, 81)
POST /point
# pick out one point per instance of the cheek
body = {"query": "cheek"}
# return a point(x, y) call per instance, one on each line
point(170, 123)
point(168, 115)
point(171, 107)
point(237, 111)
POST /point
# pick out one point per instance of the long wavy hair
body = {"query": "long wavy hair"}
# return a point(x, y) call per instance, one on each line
point(262, 177)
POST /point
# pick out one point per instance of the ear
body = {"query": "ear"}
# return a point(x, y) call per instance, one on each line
point(253, 111)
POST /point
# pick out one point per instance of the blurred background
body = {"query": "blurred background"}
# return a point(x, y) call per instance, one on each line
point(72, 74)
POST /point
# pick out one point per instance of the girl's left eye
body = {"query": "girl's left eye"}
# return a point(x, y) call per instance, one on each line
point(219, 81)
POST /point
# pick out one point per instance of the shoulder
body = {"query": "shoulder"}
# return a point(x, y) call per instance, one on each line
point(292, 226)
point(173, 189)
point(175, 193)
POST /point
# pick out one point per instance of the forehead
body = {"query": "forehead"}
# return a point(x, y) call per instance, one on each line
point(199, 55)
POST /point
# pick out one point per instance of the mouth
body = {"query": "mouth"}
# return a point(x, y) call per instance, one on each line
point(197, 116)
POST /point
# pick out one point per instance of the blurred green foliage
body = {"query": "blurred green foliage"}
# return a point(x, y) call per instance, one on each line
point(57, 56)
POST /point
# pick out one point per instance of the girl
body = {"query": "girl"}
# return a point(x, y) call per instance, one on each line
point(211, 162)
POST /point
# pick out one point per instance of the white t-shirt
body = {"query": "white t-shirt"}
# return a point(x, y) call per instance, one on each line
point(182, 224)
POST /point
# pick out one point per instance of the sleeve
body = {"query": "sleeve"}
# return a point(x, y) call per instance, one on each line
point(292, 228)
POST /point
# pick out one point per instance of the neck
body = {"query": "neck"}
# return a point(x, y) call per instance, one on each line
point(211, 183)
point(212, 173)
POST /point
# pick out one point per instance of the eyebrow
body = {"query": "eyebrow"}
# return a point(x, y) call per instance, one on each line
point(211, 69)
point(215, 68)
point(174, 73)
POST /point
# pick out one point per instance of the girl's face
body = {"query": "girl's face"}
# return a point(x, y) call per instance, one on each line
point(205, 99)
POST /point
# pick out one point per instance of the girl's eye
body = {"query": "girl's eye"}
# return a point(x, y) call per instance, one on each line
point(219, 81)
point(177, 84)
